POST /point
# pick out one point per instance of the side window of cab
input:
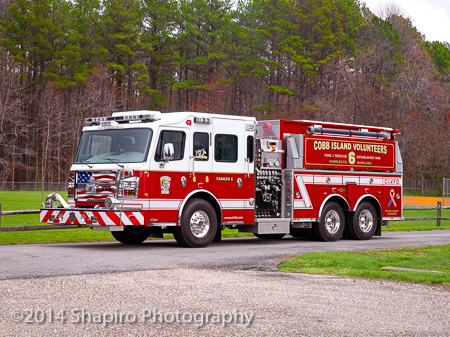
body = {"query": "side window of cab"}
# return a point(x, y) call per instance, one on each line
point(176, 138)
point(201, 146)
point(226, 148)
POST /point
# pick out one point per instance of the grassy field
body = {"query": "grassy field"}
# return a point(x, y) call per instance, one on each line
point(368, 264)
point(32, 200)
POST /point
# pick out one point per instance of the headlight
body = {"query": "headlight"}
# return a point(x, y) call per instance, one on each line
point(112, 203)
point(129, 187)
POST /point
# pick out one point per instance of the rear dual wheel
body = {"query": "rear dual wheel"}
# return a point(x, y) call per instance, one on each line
point(331, 223)
point(364, 222)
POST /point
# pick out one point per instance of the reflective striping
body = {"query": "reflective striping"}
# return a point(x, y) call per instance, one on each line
point(139, 216)
point(107, 218)
point(87, 217)
point(350, 179)
point(305, 201)
point(305, 181)
point(45, 215)
point(328, 179)
point(165, 204)
point(359, 180)
point(129, 216)
point(233, 203)
point(104, 220)
point(114, 218)
point(300, 204)
point(374, 181)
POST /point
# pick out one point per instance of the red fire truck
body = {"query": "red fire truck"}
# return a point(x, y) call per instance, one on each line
point(145, 173)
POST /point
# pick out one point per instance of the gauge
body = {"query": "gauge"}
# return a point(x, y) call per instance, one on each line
point(270, 162)
point(277, 162)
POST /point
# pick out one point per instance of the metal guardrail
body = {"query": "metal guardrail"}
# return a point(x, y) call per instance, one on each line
point(438, 219)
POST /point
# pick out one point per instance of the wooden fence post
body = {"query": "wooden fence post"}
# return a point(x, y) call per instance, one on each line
point(439, 214)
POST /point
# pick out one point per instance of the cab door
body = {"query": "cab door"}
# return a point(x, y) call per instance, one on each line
point(201, 158)
point(169, 177)
point(232, 179)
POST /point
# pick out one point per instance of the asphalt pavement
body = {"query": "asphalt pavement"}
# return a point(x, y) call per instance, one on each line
point(48, 260)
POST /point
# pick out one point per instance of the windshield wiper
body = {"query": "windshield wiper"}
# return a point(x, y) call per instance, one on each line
point(85, 163)
point(115, 162)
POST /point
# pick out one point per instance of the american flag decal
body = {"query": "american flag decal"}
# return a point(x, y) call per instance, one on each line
point(95, 185)
point(83, 177)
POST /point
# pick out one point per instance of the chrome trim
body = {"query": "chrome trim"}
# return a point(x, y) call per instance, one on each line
point(305, 220)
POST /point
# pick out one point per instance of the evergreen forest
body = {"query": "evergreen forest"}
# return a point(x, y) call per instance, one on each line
point(332, 60)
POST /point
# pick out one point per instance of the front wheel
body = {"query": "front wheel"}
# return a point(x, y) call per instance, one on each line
point(364, 222)
point(269, 236)
point(198, 224)
point(132, 234)
point(331, 223)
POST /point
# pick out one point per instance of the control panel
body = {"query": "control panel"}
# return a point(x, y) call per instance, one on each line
point(268, 178)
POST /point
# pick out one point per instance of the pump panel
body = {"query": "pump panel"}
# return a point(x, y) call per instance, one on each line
point(268, 179)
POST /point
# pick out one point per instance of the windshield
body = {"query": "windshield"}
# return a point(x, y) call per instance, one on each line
point(119, 146)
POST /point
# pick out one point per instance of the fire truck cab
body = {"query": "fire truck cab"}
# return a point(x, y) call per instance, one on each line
point(145, 173)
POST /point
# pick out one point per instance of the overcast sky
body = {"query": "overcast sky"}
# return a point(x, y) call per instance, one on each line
point(430, 17)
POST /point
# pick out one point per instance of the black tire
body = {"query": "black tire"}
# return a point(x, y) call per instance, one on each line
point(269, 236)
point(301, 233)
point(198, 224)
point(364, 222)
point(132, 234)
point(331, 223)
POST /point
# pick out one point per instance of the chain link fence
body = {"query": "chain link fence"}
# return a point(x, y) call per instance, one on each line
point(32, 186)
point(426, 187)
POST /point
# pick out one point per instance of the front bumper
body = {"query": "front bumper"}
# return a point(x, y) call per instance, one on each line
point(92, 217)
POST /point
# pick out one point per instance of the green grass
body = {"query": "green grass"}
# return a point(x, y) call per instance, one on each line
point(368, 264)
point(32, 200)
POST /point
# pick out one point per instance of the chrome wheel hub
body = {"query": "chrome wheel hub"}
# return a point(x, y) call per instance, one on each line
point(332, 222)
point(365, 221)
point(199, 224)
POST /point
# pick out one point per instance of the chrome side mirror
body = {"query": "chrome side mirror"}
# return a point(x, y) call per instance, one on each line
point(168, 151)
point(168, 154)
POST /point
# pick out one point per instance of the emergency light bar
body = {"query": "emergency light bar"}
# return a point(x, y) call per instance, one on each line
point(325, 131)
point(123, 119)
